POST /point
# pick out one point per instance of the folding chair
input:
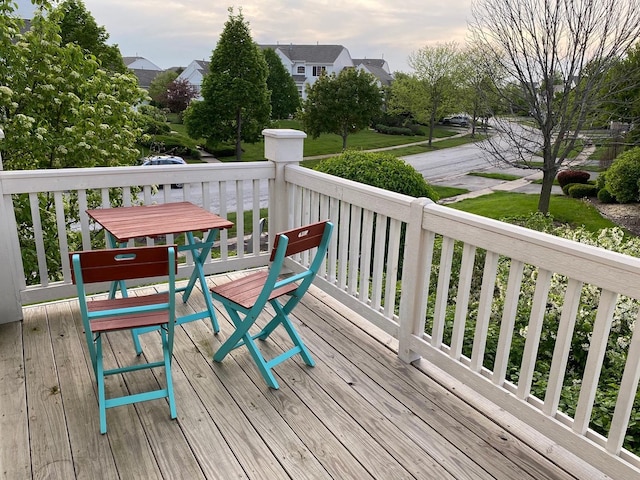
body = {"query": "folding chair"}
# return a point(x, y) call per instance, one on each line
point(249, 295)
point(129, 313)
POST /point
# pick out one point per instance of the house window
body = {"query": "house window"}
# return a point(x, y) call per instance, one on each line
point(301, 69)
point(317, 71)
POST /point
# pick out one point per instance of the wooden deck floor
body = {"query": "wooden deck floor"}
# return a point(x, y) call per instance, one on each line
point(360, 413)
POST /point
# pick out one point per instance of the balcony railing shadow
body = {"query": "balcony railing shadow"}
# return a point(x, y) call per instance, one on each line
point(441, 285)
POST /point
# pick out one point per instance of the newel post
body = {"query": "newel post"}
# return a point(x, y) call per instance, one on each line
point(282, 147)
point(10, 306)
point(418, 253)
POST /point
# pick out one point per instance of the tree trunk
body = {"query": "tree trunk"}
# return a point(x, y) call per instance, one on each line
point(548, 176)
point(238, 136)
point(344, 141)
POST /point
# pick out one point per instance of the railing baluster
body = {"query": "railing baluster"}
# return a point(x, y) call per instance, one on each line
point(562, 347)
point(626, 394)
point(533, 333)
point(393, 257)
point(378, 262)
point(62, 235)
point(597, 349)
point(354, 250)
point(484, 310)
point(365, 255)
point(462, 301)
point(442, 292)
point(507, 323)
point(34, 204)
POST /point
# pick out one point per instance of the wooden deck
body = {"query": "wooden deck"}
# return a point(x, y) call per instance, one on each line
point(360, 413)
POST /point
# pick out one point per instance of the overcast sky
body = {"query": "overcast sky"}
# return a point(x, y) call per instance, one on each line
point(175, 32)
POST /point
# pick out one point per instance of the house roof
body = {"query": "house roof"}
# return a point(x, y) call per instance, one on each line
point(326, 54)
point(379, 72)
point(203, 66)
point(374, 62)
point(145, 77)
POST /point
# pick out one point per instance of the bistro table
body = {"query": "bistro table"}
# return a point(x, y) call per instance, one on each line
point(127, 223)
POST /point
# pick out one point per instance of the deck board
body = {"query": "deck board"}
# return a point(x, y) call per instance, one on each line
point(359, 413)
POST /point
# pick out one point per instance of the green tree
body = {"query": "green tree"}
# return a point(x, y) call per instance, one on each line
point(59, 108)
point(159, 86)
point(341, 104)
point(285, 99)
point(622, 93)
point(78, 26)
point(558, 53)
point(428, 93)
point(236, 99)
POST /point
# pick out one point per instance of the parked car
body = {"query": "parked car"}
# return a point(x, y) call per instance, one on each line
point(457, 120)
point(165, 160)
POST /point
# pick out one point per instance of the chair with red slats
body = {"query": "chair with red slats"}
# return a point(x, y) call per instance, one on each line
point(245, 298)
point(129, 313)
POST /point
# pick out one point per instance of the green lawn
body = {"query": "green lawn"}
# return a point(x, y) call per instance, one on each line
point(327, 144)
point(564, 209)
point(495, 176)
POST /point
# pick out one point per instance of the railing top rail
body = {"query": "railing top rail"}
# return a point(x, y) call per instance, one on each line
point(586, 263)
point(34, 181)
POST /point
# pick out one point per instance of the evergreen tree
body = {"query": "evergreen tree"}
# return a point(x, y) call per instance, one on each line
point(341, 104)
point(236, 99)
point(285, 99)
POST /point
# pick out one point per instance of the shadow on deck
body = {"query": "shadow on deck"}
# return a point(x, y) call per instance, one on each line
point(360, 413)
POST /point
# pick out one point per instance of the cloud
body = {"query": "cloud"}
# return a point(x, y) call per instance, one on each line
point(173, 33)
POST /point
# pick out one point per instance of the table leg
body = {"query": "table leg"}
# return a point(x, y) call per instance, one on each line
point(199, 251)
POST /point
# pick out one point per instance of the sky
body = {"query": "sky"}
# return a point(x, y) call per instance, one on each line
point(172, 33)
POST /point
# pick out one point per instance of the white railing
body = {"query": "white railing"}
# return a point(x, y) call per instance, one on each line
point(447, 262)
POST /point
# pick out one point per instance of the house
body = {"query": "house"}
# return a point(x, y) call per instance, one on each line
point(194, 73)
point(377, 67)
point(144, 69)
point(305, 63)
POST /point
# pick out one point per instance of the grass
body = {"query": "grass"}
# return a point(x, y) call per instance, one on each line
point(327, 144)
point(570, 211)
point(446, 192)
point(495, 176)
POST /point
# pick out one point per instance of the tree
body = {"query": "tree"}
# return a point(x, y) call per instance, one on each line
point(478, 77)
point(179, 94)
point(236, 99)
point(159, 86)
point(622, 90)
point(428, 93)
point(59, 108)
point(341, 104)
point(78, 26)
point(285, 99)
point(558, 53)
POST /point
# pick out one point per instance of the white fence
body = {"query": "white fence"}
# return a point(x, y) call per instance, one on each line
point(426, 274)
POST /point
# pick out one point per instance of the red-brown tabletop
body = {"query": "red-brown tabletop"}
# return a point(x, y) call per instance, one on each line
point(125, 223)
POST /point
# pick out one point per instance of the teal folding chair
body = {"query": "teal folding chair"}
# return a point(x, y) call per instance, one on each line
point(130, 313)
point(245, 298)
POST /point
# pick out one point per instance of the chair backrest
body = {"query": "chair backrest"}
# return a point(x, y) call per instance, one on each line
point(122, 263)
point(302, 238)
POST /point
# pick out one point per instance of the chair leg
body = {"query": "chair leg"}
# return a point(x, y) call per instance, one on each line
point(136, 342)
point(168, 376)
point(101, 390)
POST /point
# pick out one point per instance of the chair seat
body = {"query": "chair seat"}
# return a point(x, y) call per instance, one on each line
point(245, 291)
point(134, 320)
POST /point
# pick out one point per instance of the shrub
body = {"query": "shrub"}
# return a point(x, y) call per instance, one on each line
point(381, 170)
point(582, 190)
point(573, 176)
point(394, 130)
point(623, 176)
point(565, 188)
point(605, 196)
